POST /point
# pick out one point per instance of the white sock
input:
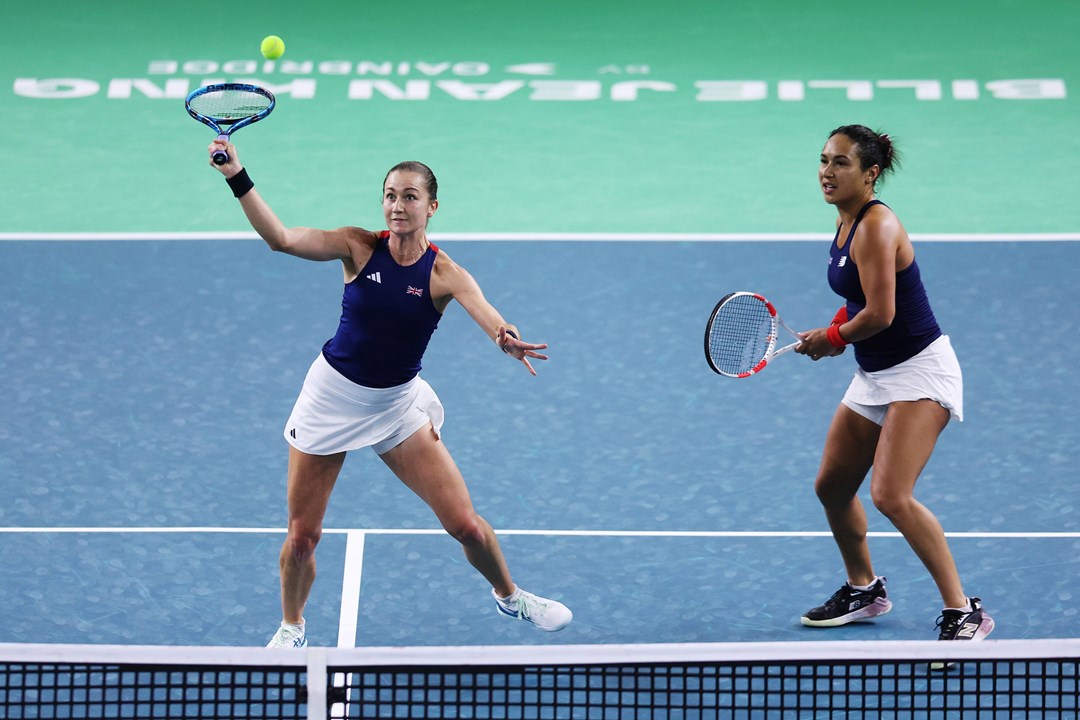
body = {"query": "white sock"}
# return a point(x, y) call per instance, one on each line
point(864, 588)
point(294, 626)
point(511, 597)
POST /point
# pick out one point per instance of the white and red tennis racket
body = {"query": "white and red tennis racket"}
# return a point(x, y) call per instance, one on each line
point(740, 339)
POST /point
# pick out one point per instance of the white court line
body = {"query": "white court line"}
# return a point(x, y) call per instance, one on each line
point(555, 236)
point(350, 588)
point(350, 608)
point(543, 533)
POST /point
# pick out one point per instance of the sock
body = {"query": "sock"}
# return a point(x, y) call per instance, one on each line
point(966, 609)
point(864, 588)
point(294, 626)
point(511, 597)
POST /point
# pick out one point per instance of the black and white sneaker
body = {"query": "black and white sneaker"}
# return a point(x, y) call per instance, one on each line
point(960, 625)
point(849, 605)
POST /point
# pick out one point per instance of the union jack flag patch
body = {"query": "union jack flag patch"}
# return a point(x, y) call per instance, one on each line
point(410, 290)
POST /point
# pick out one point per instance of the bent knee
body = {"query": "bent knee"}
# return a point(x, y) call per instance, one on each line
point(834, 491)
point(892, 505)
point(467, 530)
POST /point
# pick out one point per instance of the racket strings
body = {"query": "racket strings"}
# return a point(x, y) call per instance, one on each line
point(741, 334)
point(230, 104)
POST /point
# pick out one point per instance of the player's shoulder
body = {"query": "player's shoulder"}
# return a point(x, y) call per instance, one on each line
point(358, 239)
point(360, 244)
point(451, 277)
point(445, 265)
point(363, 236)
point(881, 220)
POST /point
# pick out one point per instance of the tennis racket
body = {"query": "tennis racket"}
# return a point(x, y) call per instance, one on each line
point(227, 107)
point(740, 339)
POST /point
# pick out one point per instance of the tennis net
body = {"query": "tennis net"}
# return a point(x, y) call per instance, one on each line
point(893, 680)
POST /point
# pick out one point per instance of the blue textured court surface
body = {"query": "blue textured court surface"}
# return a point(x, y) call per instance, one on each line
point(144, 383)
point(143, 387)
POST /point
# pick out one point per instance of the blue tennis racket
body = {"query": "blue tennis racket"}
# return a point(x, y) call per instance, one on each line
point(227, 107)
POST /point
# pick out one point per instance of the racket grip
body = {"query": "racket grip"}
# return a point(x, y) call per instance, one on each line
point(221, 157)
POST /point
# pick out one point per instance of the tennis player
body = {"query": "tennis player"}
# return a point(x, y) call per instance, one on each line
point(906, 389)
point(364, 389)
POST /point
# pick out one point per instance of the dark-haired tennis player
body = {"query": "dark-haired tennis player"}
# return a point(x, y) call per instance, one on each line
point(905, 390)
point(364, 388)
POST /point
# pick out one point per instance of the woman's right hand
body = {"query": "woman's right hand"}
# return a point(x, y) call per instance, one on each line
point(232, 164)
point(815, 344)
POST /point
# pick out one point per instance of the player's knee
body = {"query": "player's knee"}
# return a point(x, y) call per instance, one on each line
point(890, 504)
point(467, 529)
point(301, 542)
point(830, 492)
point(825, 492)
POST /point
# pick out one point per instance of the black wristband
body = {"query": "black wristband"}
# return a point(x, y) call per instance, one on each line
point(512, 334)
point(240, 183)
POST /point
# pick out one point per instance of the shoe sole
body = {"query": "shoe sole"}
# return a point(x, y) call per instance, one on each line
point(876, 608)
point(985, 628)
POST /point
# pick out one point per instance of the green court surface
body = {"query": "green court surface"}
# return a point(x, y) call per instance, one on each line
point(550, 117)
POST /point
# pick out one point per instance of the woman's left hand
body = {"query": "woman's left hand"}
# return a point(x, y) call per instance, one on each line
point(518, 349)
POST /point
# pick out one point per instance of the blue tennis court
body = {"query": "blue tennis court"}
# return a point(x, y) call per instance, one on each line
point(145, 385)
point(607, 173)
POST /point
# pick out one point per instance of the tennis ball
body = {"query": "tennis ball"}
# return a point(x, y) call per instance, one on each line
point(272, 47)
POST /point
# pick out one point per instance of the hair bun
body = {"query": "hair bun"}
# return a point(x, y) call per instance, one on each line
point(887, 145)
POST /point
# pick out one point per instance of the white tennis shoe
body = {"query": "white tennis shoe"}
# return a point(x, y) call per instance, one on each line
point(545, 614)
point(289, 636)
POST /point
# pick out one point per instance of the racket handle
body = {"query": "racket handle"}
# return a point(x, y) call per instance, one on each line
point(785, 349)
point(221, 157)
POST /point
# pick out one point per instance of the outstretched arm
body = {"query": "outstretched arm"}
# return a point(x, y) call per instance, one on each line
point(303, 242)
point(455, 281)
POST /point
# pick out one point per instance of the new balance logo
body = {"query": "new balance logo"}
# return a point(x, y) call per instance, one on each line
point(967, 631)
point(843, 261)
point(375, 276)
point(855, 605)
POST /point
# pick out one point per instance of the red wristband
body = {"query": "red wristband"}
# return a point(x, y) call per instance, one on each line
point(841, 316)
point(834, 336)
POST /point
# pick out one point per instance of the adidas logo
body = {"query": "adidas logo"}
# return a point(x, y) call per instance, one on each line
point(375, 276)
point(292, 433)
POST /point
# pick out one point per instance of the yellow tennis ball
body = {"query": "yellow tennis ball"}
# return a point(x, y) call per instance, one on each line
point(272, 47)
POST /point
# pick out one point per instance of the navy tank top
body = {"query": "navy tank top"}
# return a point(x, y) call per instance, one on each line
point(387, 319)
point(913, 328)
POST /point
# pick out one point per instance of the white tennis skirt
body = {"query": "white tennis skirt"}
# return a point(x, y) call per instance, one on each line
point(933, 374)
point(333, 414)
